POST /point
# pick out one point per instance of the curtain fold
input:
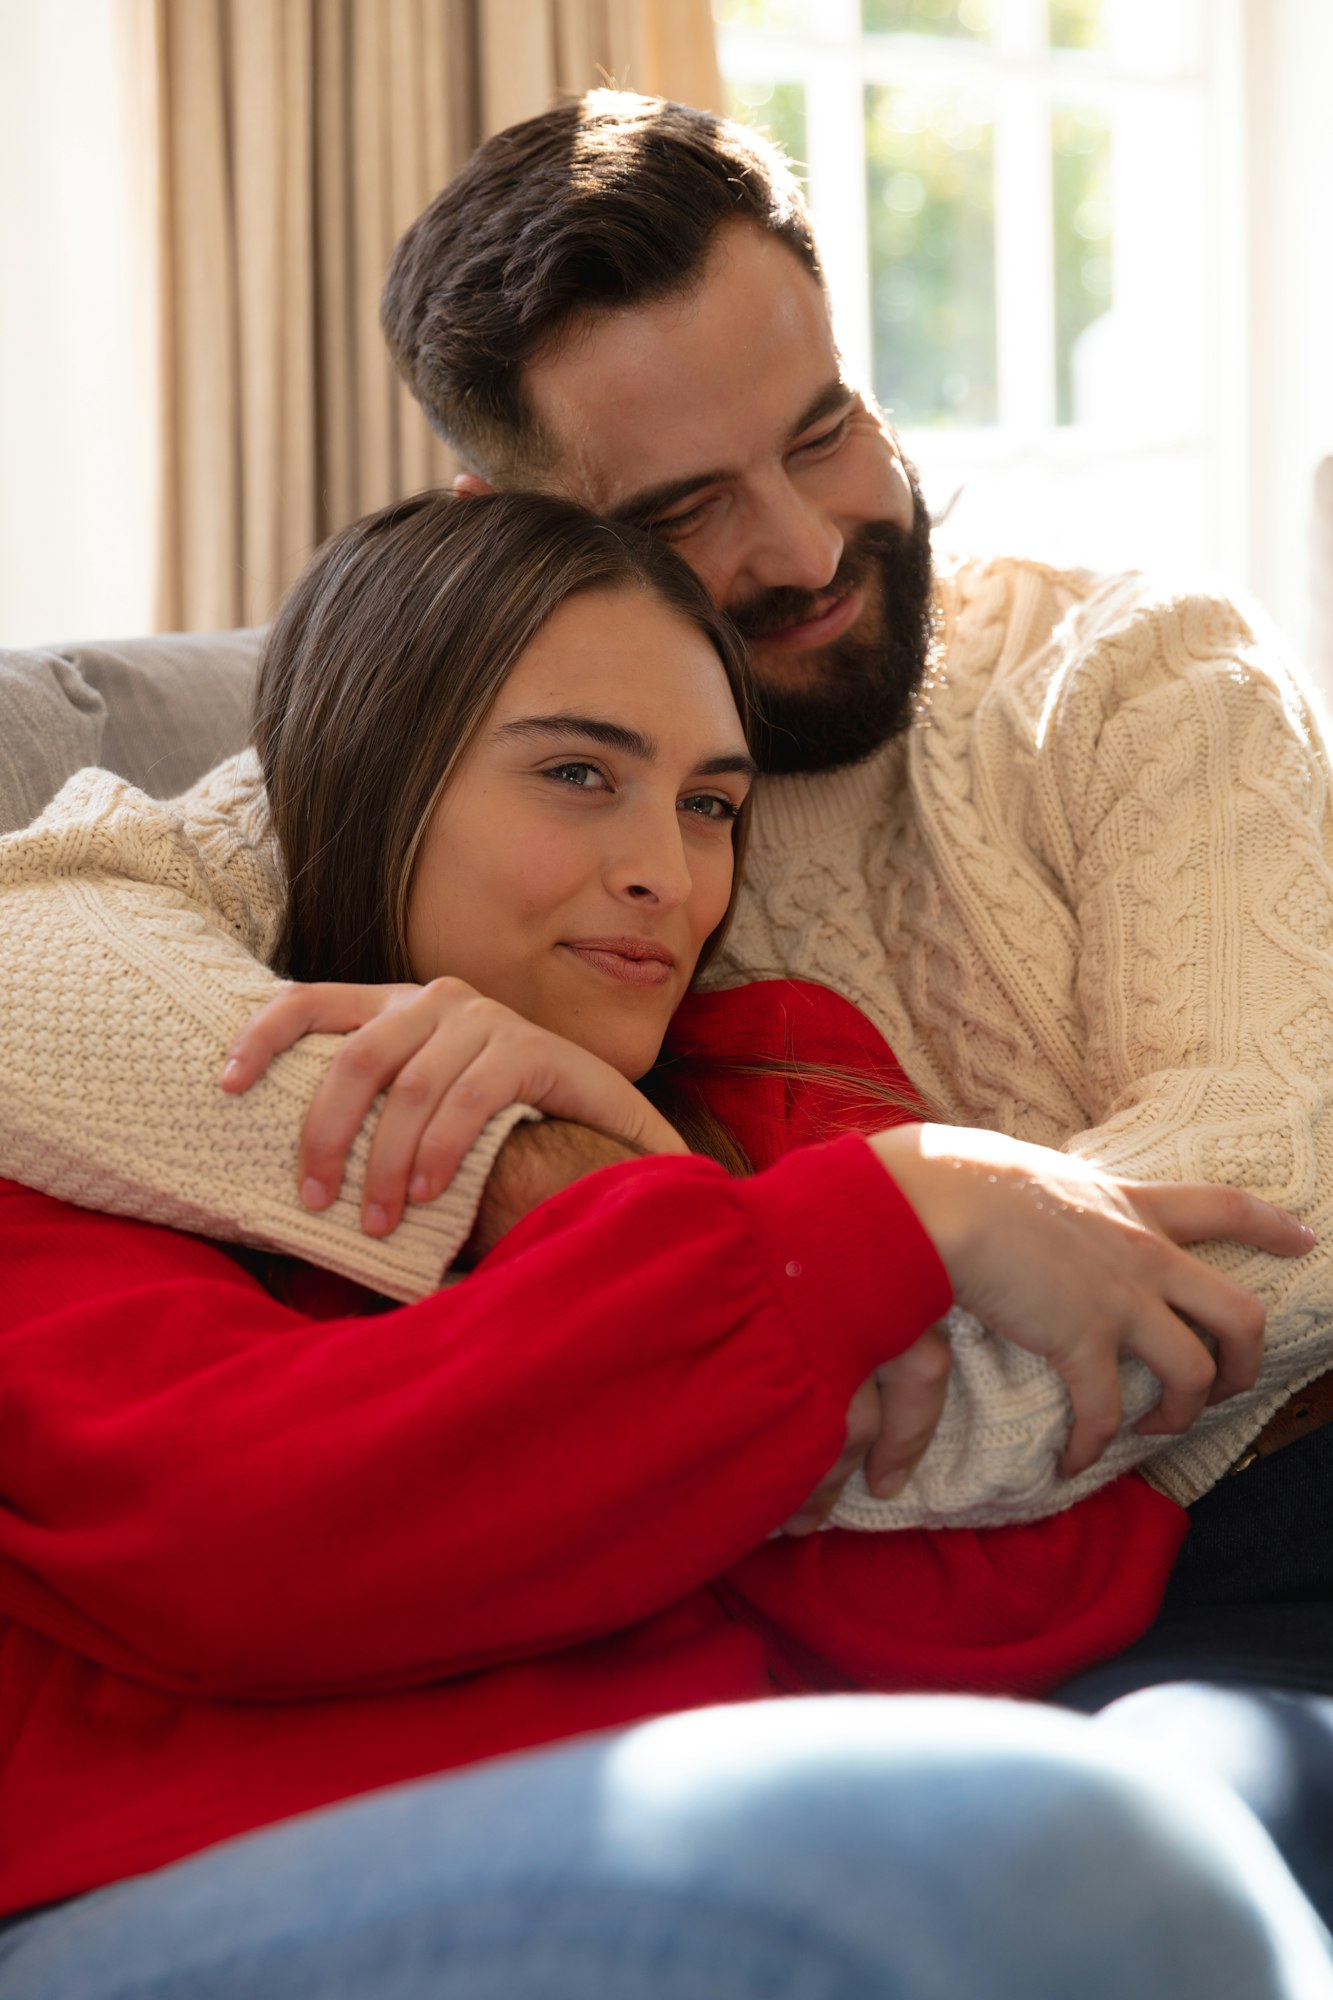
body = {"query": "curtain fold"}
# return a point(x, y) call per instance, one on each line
point(296, 140)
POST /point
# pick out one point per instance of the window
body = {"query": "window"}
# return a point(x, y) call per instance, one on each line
point(1022, 206)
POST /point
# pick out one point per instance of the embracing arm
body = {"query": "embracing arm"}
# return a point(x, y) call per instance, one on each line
point(132, 940)
point(1206, 901)
point(1182, 814)
point(210, 1491)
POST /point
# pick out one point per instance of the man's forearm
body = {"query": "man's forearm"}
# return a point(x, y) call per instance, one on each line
point(535, 1162)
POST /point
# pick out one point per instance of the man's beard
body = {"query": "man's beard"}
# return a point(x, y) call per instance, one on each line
point(866, 684)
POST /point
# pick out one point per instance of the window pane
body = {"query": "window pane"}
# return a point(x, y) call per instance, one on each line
point(1076, 24)
point(778, 16)
point(1081, 185)
point(931, 202)
point(927, 17)
point(775, 108)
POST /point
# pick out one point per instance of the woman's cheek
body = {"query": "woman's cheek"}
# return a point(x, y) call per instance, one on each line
point(719, 880)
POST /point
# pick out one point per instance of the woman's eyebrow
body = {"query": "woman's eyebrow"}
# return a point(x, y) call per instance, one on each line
point(611, 735)
point(615, 736)
point(735, 760)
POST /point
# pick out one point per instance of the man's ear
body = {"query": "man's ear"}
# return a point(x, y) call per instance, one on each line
point(471, 485)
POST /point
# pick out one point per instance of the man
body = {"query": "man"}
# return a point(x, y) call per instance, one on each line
point(1030, 819)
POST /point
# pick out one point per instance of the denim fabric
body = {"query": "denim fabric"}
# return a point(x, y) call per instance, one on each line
point(843, 1849)
point(1274, 1751)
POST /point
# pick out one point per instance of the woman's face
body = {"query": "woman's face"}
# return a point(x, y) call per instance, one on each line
point(582, 852)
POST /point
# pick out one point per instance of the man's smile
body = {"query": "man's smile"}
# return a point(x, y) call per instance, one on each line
point(826, 624)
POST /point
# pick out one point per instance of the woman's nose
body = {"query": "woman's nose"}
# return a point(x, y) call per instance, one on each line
point(657, 870)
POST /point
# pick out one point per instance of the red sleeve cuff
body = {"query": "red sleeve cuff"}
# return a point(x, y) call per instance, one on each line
point(832, 1224)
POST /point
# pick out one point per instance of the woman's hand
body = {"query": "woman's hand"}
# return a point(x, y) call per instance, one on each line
point(1079, 1267)
point(890, 1421)
point(449, 1059)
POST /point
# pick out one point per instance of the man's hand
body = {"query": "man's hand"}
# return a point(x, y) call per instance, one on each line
point(890, 1421)
point(1080, 1267)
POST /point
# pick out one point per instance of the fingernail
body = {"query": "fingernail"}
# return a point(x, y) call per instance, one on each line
point(314, 1194)
point(375, 1220)
point(230, 1069)
point(420, 1189)
point(803, 1524)
point(890, 1486)
point(1308, 1233)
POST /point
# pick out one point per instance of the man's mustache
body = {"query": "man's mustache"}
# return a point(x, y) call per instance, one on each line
point(777, 609)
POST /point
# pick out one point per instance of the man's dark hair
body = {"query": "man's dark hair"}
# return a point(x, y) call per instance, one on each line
point(609, 201)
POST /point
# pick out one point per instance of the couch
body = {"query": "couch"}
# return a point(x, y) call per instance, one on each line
point(156, 711)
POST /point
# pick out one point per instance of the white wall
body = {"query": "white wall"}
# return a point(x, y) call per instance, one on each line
point(1289, 240)
point(78, 391)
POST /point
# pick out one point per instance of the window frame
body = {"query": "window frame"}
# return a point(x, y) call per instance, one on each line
point(1026, 81)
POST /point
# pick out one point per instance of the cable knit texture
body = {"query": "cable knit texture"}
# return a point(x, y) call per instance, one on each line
point(133, 932)
point(1087, 900)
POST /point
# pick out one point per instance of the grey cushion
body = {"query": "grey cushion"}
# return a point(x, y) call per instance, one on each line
point(158, 711)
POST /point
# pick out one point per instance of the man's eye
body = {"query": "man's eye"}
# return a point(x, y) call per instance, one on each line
point(584, 777)
point(673, 527)
point(827, 440)
point(711, 806)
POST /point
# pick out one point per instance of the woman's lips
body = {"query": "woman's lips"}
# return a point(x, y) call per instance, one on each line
point(633, 961)
point(830, 624)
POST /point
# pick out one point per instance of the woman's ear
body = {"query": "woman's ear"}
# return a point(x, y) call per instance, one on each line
point(471, 485)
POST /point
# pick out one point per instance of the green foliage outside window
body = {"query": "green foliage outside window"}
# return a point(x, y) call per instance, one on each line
point(931, 200)
point(775, 15)
point(927, 17)
point(1076, 24)
point(775, 108)
point(1081, 188)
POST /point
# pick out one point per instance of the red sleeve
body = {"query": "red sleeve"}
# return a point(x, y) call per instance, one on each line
point(212, 1492)
point(785, 1063)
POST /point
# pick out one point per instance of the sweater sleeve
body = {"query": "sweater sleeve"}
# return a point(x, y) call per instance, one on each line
point(214, 1493)
point(132, 939)
point(1202, 880)
point(1179, 805)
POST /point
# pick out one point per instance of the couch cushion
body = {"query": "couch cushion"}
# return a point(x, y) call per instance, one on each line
point(51, 724)
point(157, 711)
point(175, 705)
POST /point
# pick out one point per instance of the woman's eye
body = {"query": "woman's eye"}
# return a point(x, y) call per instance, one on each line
point(710, 806)
point(583, 777)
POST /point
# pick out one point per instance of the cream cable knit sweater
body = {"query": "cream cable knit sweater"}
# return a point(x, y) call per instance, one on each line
point(1088, 900)
point(130, 935)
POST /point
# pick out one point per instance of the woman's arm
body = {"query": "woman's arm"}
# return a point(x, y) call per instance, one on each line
point(209, 1491)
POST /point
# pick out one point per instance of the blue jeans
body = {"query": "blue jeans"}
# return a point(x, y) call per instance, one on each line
point(842, 1849)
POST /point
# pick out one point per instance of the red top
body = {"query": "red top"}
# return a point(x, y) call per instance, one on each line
point(256, 1557)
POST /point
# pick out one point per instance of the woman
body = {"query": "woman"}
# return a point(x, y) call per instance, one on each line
point(261, 1552)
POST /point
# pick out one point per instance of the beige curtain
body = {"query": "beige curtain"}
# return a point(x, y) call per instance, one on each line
point(296, 140)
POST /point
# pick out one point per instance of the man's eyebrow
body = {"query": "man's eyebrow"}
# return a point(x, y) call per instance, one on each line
point(642, 509)
point(614, 736)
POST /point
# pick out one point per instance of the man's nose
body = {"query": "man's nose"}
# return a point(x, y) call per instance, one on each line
point(795, 543)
